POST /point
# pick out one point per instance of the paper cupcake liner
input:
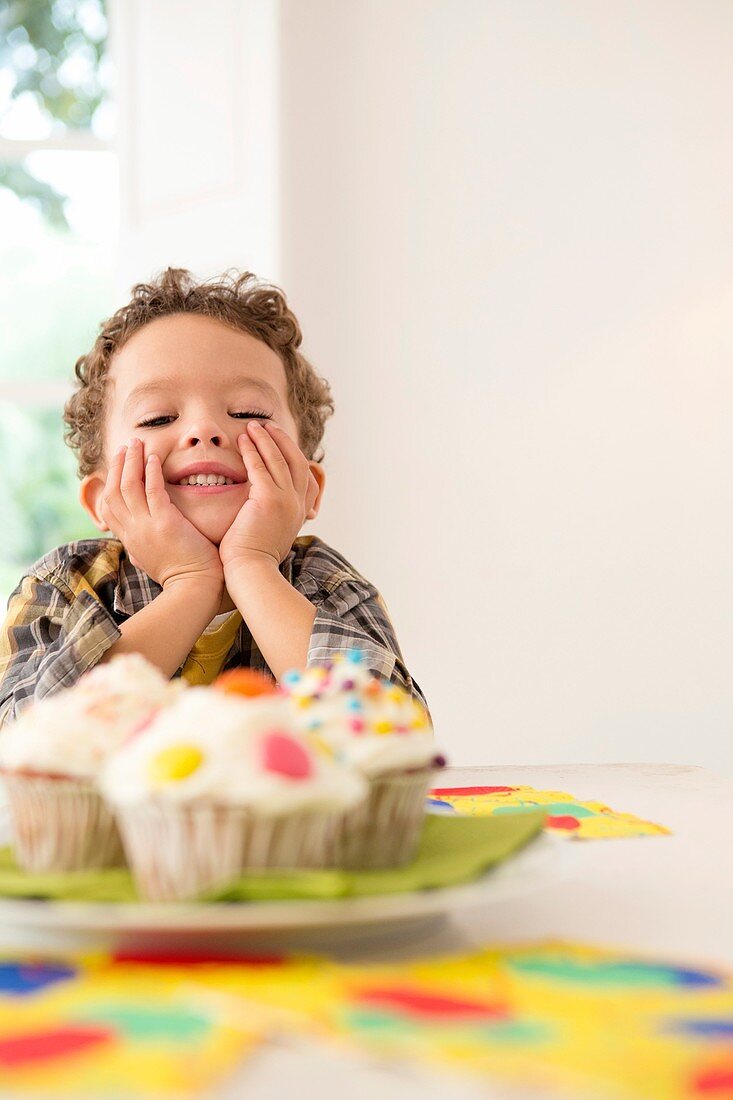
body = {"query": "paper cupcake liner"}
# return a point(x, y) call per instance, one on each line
point(384, 831)
point(176, 852)
point(60, 824)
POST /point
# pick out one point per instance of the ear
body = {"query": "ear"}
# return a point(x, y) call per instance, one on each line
point(90, 496)
point(320, 475)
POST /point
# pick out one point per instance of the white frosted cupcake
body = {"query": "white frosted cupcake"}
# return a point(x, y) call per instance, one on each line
point(219, 784)
point(50, 757)
point(380, 731)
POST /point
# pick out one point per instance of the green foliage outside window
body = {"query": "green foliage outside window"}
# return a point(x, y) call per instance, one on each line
point(40, 506)
point(55, 287)
point(53, 51)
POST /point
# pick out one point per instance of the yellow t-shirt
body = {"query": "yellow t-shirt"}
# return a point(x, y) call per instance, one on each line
point(205, 661)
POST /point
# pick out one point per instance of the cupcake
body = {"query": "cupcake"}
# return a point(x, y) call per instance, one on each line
point(218, 784)
point(50, 756)
point(379, 730)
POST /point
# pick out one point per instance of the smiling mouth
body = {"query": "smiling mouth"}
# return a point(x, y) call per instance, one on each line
point(206, 490)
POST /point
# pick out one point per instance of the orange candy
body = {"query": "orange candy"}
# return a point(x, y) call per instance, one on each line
point(245, 681)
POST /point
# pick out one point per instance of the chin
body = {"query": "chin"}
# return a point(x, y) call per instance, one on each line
point(213, 528)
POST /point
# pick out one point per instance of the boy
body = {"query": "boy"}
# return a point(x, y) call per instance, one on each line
point(196, 422)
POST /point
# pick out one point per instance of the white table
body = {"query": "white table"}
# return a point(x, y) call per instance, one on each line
point(666, 895)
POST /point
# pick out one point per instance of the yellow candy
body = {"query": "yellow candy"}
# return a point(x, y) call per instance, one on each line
point(396, 694)
point(174, 763)
point(382, 725)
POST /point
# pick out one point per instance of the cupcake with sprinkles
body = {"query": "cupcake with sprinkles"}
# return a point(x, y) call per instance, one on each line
point(220, 784)
point(380, 731)
point(50, 757)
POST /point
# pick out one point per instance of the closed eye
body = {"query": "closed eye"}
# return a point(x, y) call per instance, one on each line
point(159, 421)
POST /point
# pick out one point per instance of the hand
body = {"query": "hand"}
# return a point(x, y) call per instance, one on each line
point(282, 492)
point(156, 535)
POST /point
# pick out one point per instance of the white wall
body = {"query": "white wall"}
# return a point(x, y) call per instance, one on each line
point(507, 231)
point(197, 91)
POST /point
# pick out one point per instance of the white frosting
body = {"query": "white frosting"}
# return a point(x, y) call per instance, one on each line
point(224, 737)
point(72, 732)
point(369, 724)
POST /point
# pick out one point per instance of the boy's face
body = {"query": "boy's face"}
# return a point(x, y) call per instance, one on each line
point(186, 385)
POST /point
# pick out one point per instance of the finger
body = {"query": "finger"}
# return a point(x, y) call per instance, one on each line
point(131, 483)
point(272, 456)
point(312, 492)
point(155, 490)
point(112, 504)
point(110, 522)
point(296, 460)
point(257, 472)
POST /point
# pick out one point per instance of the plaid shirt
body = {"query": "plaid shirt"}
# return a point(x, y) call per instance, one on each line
point(66, 612)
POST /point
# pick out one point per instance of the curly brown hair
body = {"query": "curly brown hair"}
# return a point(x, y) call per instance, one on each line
point(239, 300)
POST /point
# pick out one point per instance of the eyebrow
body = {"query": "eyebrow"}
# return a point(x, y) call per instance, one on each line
point(166, 382)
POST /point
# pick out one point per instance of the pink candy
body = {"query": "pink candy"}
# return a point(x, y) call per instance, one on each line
point(283, 755)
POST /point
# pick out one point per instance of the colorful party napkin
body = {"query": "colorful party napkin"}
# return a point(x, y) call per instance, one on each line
point(452, 850)
point(73, 1027)
point(589, 1021)
point(565, 814)
point(586, 1020)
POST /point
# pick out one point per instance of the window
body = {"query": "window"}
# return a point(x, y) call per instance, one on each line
point(58, 228)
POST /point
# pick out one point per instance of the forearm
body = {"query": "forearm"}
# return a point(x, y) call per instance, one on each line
point(279, 618)
point(167, 628)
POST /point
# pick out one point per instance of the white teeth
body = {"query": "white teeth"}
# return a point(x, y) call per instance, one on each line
point(206, 479)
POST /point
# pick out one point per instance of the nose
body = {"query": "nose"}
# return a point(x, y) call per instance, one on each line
point(202, 429)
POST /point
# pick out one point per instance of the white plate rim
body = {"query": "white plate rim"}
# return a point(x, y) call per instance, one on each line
point(522, 873)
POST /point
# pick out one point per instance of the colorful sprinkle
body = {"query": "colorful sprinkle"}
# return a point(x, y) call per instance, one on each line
point(355, 656)
point(357, 725)
point(382, 725)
